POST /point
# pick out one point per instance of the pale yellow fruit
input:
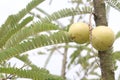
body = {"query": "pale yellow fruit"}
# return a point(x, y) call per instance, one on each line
point(79, 32)
point(102, 38)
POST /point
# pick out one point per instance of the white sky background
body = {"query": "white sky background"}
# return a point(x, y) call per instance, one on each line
point(8, 7)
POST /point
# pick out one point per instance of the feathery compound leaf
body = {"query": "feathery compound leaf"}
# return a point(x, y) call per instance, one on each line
point(76, 54)
point(117, 35)
point(114, 3)
point(14, 30)
point(116, 55)
point(38, 41)
point(76, 1)
point(66, 13)
point(39, 74)
point(29, 31)
point(13, 20)
point(24, 58)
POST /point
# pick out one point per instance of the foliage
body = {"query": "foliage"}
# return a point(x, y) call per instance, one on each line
point(35, 74)
point(19, 34)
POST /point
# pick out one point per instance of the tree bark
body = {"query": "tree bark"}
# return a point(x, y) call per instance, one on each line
point(106, 62)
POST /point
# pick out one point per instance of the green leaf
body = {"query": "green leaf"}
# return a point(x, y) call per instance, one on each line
point(39, 74)
point(76, 1)
point(13, 20)
point(38, 41)
point(14, 30)
point(117, 35)
point(24, 58)
point(114, 3)
point(66, 13)
point(76, 55)
point(29, 31)
point(116, 55)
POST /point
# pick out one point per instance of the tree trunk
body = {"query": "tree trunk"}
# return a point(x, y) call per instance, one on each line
point(106, 62)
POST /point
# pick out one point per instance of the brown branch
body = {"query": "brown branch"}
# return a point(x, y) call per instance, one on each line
point(106, 63)
point(64, 62)
point(100, 12)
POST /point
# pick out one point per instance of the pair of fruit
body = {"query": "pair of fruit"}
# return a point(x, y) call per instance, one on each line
point(102, 37)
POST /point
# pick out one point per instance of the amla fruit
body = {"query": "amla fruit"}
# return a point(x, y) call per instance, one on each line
point(102, 38)
point(79, 32)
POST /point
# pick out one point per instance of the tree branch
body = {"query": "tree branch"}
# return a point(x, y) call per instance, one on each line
point(64, 63)
point(100, 12)
point(106, 63)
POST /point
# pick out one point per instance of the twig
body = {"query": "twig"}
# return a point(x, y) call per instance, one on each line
point(64, 62)
point(48, 59)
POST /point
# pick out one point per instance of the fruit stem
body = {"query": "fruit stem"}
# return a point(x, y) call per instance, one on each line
point(90, 27)
point(90, 36)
